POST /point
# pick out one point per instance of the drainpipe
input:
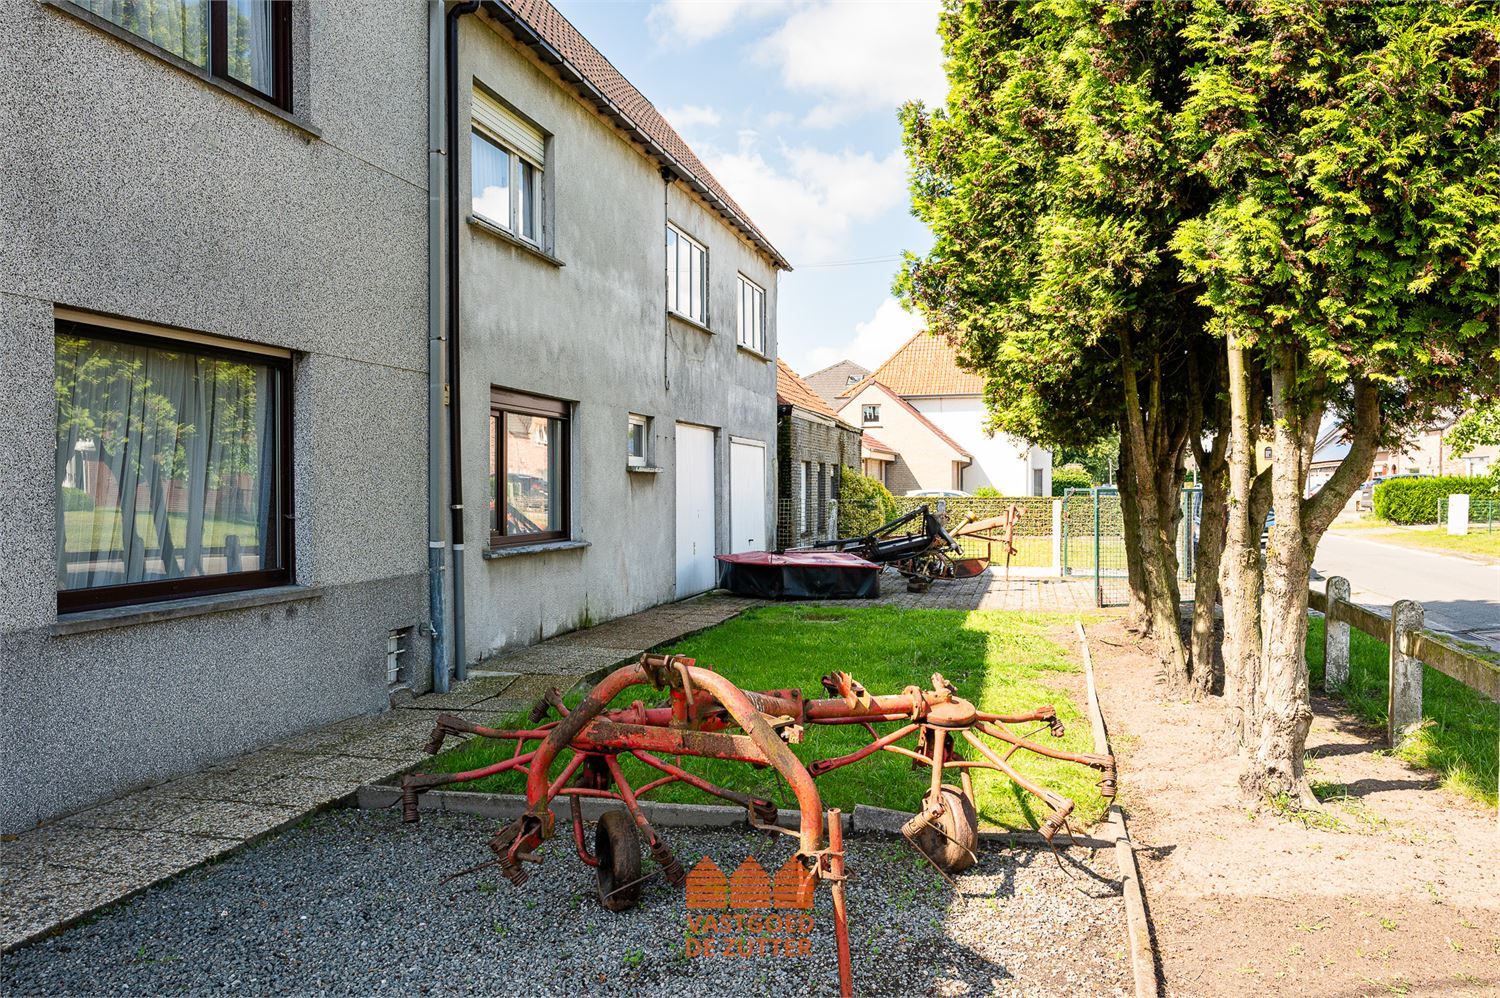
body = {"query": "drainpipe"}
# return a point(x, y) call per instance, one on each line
point(436, 583)
point(455, 382)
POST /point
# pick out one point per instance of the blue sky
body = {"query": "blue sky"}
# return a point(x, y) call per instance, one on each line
point(792, 104)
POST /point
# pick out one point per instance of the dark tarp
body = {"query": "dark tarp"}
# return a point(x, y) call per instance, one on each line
point(799, 575)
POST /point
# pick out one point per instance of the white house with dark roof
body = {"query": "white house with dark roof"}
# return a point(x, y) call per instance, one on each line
point(928, 412)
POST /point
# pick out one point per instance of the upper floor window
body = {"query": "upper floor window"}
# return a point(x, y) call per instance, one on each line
point(507, 156)
point(871, 413)
point(246, 41)
point(173, 468)
point(752, 315)
point(687, 275)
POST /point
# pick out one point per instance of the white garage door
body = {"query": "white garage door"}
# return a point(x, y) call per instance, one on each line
point(695, 510)
point(747, 496)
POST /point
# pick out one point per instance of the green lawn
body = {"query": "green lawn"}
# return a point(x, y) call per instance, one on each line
point(1000, 660)
point(99, 530)
point(1482, 544)
point(1460, 730)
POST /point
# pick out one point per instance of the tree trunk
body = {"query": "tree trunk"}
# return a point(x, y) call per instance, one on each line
point(1138, 609)
point(1146, 468)
point(1208, 668)
point(1240, 571)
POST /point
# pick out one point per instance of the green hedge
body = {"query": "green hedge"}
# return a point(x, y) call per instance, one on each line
point(1415, 500)
point(864, 504)
point(1070, 478)
point(76, 499)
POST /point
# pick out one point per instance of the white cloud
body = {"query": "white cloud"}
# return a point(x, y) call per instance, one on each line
point(873, 341)
point(691, 116)
point(859, 57)
point(692, 21)
point(809, 207)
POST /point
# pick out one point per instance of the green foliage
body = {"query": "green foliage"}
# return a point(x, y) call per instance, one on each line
point(1415, 500)
point(1065, 478)
point(1478, 427)
point(864, 504)
point(987, 492)
point(1100, 459)
point(75, 500)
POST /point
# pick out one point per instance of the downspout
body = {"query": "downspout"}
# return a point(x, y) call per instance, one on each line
point(436, 562)
point(666, 320)
point(455, 382)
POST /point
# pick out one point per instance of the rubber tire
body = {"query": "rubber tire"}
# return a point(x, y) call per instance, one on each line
point(954, 849)
point(617, 846)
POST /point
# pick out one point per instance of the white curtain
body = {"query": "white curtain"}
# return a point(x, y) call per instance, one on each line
point(249, 32)
point(181, 449)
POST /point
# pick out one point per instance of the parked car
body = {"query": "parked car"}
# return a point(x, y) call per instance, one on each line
point(939, 493)
point(1365, 497)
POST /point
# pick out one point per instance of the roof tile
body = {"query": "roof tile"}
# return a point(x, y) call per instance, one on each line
point(925, 365)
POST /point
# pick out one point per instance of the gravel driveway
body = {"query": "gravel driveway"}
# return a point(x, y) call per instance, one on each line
point(349, 903)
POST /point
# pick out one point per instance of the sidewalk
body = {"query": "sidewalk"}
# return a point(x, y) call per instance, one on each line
point(59, 873)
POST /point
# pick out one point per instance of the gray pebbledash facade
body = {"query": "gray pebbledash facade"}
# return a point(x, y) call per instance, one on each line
point(274, 242)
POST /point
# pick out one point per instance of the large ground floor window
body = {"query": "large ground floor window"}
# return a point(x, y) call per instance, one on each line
point(172, 468)
point(529, 463)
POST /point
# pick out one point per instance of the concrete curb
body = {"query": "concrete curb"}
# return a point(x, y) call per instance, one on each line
point(1137, 919)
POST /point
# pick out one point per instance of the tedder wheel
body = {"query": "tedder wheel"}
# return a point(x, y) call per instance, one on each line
point(952, 842)
point(617, 844)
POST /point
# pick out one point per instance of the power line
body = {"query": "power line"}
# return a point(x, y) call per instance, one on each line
point(849, 263)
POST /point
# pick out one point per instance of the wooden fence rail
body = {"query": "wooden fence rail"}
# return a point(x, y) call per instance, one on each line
point(1411, 647)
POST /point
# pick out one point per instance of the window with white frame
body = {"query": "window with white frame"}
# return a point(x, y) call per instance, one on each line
point(752, 315)
point(687, 275)
point(506, 161)
point(638, 441)
point(870, 413)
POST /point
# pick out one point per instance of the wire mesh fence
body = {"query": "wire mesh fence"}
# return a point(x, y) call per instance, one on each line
point(1093, 540)
point(1032, 536)
point(801, 522)
point(1483, 513)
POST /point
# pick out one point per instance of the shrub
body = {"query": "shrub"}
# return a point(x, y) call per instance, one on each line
point(1070, 477)
point(76, 499)
point(988, 492)
point(864, 504)
point(1415, 500)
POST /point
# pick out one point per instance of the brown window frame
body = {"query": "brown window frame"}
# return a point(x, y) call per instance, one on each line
point(503, 400)
point(281, 51)
point(283, 524)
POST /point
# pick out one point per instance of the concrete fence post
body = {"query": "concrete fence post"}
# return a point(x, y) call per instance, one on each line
point(1335, 637)
point(1404, 707)
point(1057, 537)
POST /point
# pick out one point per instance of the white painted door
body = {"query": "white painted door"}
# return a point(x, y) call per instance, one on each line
point(747, 496)
point(696, 570)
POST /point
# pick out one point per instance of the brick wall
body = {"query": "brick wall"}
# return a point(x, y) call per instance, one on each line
point(800, 440)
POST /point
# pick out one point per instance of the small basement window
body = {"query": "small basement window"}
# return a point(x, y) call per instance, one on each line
point(396, 645)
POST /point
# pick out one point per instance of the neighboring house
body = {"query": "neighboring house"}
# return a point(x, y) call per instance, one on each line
point(833, 379)
point(931, 414)
point(619, 430)
point(876, 458)
point(1427, 453)
point(813, 446)
point(223, 321)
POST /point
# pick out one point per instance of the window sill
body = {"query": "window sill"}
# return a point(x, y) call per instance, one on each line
point(518, 550)
point(694, 323)
point(84, 621)
point(485, 225)
point(643, 469)
point(93, 20)
point(754, 353)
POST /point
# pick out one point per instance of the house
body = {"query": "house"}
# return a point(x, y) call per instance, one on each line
point(1426, 452)
point(834, 378)
point(929, 415)
point(229, 511)
point(813, 446)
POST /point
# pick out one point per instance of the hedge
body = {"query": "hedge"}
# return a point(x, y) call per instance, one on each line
point(1070, 478)
point(1415, 500)
point(76, 499)
point(864, 504)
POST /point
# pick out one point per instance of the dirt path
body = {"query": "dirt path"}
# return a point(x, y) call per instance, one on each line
point(1399, 895)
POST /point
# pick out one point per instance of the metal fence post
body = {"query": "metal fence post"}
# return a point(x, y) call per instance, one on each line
point(1057, 538)
point(1098, 586)
point(1404, 706)
point(1335, 636)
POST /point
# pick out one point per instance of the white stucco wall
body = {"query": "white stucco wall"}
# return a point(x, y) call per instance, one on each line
point(1000, 461)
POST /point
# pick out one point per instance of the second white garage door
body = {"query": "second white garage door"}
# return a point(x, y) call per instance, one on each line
point(747, 496)
point(695, 510)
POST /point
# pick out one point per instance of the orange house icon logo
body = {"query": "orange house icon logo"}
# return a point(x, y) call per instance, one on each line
point(749, 913)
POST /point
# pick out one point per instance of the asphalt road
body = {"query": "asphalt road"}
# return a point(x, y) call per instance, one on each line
point(1460, 596)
